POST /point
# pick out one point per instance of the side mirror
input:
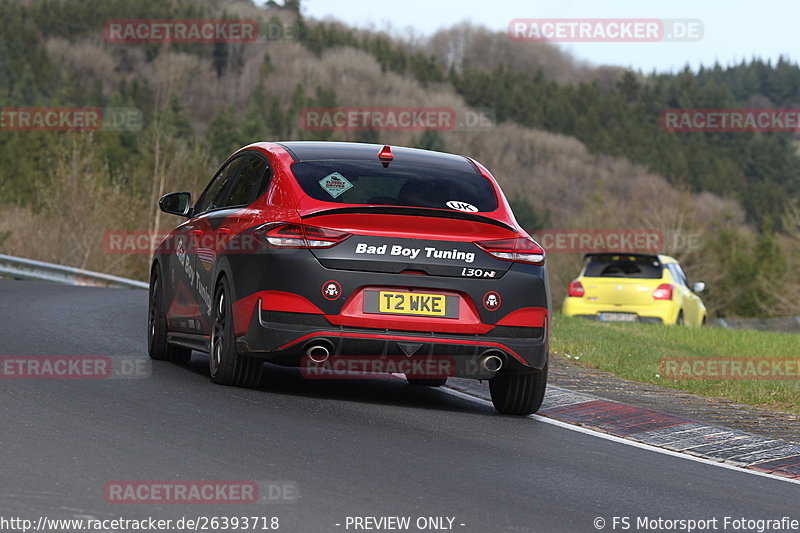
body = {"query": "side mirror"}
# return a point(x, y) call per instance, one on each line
point(698, 287)
point(176, 203)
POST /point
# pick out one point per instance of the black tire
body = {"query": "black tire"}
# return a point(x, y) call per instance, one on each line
point(226, 365)
point(426, 382)
point(517, 393)
point(679, 321)
point(157, 345)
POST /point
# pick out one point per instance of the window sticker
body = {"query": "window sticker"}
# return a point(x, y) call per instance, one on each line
point(462, 206)
point(335, 184)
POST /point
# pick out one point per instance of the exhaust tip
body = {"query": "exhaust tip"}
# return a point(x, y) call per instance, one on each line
point(492, 363)
point(319, 353)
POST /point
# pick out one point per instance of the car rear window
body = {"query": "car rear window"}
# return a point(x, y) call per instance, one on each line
point(399, 184)
point(623, 267)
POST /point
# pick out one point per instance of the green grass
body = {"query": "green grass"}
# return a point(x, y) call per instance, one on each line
point(635, 352)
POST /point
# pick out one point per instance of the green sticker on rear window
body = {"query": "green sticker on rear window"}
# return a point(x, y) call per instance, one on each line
point(335, 184)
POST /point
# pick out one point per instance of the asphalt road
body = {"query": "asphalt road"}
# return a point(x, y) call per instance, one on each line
point(353, 448)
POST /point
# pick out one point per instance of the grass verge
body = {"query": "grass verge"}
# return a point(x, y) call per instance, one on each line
point(651, 354)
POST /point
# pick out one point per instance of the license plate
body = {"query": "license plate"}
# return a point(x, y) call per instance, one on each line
point(412, 303)
point(618, 317)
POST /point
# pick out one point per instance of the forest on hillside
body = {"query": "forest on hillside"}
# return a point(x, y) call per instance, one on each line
point(573, 145)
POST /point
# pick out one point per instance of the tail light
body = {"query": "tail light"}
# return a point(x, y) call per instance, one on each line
point(521, 250)
point(289, 235)
point(576, 289)
point(663, 292)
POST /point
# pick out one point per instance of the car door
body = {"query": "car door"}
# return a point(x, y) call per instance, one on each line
point(202, 231)
point(221, 222)
point(178, 262)
point(698, 307)
point(691, 302)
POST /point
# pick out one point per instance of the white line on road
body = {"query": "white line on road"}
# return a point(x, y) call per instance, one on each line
point(635, 444)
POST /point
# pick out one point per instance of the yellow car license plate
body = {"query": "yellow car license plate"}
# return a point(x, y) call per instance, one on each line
point(412, 303)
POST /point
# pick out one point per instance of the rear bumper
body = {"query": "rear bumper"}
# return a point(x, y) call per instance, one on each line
point(659, 312)
point(281, 306)
point(283, 337)
point(643, 319)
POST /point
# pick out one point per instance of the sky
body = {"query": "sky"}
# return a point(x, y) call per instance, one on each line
point(732, 30)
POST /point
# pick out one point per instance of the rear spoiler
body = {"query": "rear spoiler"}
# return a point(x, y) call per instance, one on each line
point(623, 256)
point(411, 211)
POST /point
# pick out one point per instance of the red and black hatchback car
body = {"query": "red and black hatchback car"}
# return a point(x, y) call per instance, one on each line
point(299, 253)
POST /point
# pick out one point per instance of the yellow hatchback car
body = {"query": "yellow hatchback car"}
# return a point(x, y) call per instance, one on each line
point(635, 288)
